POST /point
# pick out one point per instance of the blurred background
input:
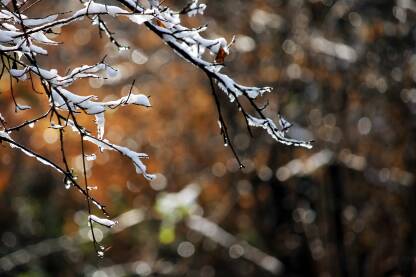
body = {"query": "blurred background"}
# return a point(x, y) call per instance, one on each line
point(344, 73)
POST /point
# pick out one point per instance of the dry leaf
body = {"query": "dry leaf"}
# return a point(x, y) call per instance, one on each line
point(160, 23)
point(221, 56)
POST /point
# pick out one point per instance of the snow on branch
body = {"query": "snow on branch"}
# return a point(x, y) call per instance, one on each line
point(190, 45)
point(103, 221)
point(24, 38)
point(69, 178)
point(104, 144)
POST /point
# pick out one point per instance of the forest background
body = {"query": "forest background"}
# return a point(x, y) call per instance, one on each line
point(343, 71)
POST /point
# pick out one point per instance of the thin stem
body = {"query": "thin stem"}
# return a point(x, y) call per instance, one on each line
point(223, 126)
point(87, 197)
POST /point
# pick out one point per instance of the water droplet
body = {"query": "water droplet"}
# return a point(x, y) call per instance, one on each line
point(92, 187)
point(68, 184)
point(31, 125)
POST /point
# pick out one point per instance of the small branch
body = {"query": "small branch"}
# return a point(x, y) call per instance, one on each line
point(87, 196)
point(46, 161)
point(28, 122)
point(223, 125)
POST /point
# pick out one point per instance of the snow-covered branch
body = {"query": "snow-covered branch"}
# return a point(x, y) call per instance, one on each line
point(24, 38)
point(190, 45)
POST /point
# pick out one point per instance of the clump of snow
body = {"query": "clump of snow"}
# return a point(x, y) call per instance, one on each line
point(102, 221)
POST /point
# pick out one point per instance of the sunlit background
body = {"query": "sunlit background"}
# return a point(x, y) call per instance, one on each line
point(344, 73)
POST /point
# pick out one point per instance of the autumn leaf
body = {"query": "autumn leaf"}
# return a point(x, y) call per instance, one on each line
point(221, 56)
point(160, 23)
